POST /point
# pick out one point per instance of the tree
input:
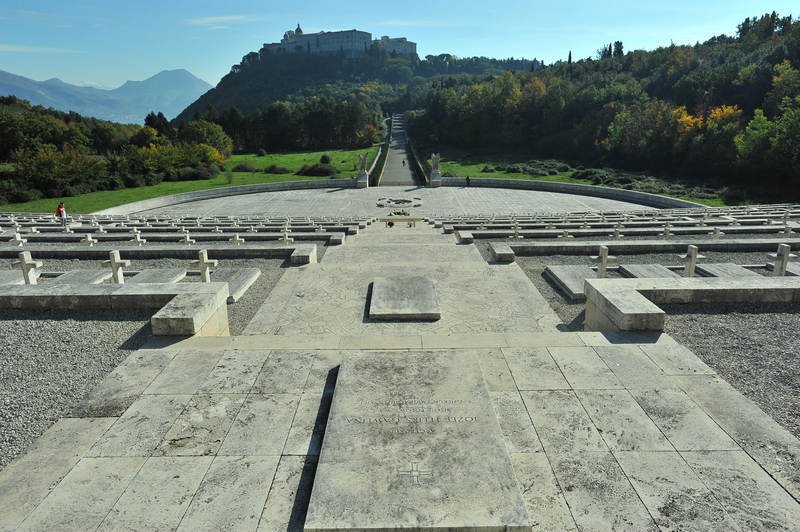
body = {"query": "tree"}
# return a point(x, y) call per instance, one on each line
point(205, 132)
point(618, 49)
point(160, 123)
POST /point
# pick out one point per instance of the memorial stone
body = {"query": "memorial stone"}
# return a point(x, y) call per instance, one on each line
point(412, 442)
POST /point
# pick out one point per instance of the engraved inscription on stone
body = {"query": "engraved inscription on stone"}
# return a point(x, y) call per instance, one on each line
point(412, 442)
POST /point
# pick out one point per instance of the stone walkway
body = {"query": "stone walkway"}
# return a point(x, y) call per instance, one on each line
point(397, 171)
point(603, 432)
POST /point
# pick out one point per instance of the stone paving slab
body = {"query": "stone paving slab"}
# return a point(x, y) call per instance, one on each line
point(444, 458)
point(80, 277)
point(11, 277)
point(725, 269)
point(404, 299)
point(646, 270)
point(570, 279)
point(158, 275)
point(238, 279)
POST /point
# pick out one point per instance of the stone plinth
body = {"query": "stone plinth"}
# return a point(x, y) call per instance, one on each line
point(404, 299)
point(412, 443)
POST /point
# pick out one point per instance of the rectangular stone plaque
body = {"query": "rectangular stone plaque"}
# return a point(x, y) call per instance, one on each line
point(412, 443)
point(404, 299)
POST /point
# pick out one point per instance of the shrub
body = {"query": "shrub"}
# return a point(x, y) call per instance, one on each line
point(325, 159)
point(261, 152)
point(318, 170)
point(244, 167)
point(275, 169)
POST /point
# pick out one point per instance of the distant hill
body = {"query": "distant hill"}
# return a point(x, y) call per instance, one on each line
point(259, 81)
point(169, 92)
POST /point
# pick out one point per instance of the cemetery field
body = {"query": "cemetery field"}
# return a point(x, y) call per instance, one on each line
point(459, 163)
point(95, 201)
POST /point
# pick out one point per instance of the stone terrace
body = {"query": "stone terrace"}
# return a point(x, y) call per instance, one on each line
point(319, 417)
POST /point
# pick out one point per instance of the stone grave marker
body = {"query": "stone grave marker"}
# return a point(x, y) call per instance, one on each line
point(413, 443)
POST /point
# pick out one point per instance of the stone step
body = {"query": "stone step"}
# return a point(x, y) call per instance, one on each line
point(238, 279)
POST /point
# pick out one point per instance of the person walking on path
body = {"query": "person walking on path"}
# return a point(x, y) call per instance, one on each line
point(61, 214)
point(404, 163)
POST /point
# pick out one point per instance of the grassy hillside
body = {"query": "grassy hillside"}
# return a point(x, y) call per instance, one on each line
point(95, 201)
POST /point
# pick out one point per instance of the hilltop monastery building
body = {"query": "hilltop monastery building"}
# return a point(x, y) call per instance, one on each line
point(351, 43)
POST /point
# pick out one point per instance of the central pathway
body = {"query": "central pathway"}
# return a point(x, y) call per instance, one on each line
point(474, 296)
point(397, 171)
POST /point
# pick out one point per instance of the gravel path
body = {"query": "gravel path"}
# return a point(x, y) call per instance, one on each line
point(50, 360)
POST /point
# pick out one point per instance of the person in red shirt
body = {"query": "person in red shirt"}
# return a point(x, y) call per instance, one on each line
point(61, 214)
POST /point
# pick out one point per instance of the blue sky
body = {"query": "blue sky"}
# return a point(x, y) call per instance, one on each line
point(105, 43)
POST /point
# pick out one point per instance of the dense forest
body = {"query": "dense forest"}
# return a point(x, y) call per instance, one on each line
point(728, 108)
point(55, 154)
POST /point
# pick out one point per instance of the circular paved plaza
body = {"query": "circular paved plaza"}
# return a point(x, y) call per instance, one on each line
point(363, 202)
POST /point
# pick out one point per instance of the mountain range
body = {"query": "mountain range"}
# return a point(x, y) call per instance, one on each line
point(169, 92)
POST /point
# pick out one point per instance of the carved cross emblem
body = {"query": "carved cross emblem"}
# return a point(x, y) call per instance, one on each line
point(414, 473)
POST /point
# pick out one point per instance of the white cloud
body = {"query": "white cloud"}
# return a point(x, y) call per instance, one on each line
point(22, 49)
point(217, 21)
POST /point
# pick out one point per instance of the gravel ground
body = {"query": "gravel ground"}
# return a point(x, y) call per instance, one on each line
point(752, 346)
point(50, 360)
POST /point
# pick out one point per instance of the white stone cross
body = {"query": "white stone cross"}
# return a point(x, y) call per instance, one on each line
point(716, 233)
point(205, 265)
point(29, 267)
point(18, 240)
point(67, 228)
point(691, 259)
point(89, 240)
point(602, 261)
point(33, 231)
point(319, 229)
point(217, 229)
point(782, 257)
point(787, 230)
point(236, 240)
point(116, 266)
point(252, 229)
point(285, 238)
point(565, 234)
point(667, 233)
point(137, 239)
point(617, 233)
point(516, 229)
point(186, 239)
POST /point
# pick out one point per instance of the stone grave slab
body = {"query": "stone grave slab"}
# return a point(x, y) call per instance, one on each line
point(569, 279)
point(158, 275)
point(404, 299)
point(647, 271)
point(81, 277)
point(238, 279)
point(413, 443)
point(725, 269)
point(14, 277)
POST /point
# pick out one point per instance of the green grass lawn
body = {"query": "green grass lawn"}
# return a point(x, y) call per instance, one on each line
point(95, 201)
point(464, 164)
